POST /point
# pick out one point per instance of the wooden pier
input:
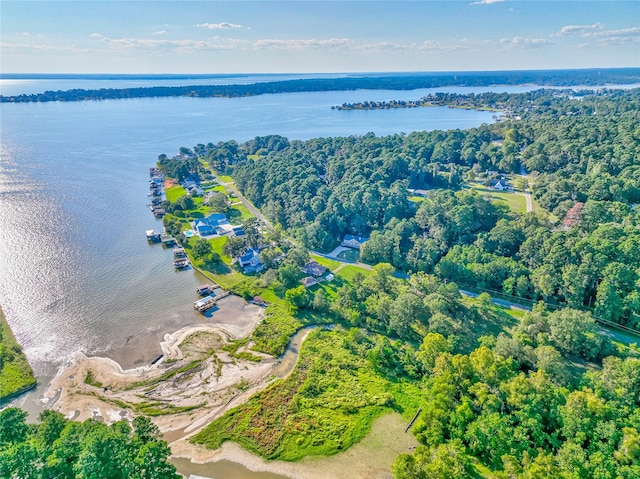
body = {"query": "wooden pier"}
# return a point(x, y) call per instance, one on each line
point(209, 302)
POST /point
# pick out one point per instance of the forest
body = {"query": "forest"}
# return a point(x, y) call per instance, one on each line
point(60, 448)
point(583, 149)
point(587, 77)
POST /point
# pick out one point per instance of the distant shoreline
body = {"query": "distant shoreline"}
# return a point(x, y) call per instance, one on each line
point(335, 82)
point(186, 76)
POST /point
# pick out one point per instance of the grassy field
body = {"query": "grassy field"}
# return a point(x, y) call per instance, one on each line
point(327, 404)
point(175, 192)
point(273, 333)
point(514, 201)
point(15, 373)
point(239, 213)
point(347, 272)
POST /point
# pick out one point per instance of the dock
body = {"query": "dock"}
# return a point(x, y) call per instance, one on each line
point(181, 263)
point(168, 240)
point(209, 302)
point(204, 290)
point(153, 236)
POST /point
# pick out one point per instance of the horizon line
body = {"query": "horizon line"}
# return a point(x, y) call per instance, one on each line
point(15, 75)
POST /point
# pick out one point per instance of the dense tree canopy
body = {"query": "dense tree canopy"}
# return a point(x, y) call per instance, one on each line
point(56, 447)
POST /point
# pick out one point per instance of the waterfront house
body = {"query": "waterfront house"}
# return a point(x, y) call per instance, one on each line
point(211, 224)
point(353, 241)
point(250, 262)
point(195, 190)
point(203, 228)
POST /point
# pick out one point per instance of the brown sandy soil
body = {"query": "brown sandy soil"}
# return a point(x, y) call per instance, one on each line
point(194, 375)
point(371, 458)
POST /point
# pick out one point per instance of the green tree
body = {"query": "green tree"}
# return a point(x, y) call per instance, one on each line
point(446, 461)
point(289, 275)
point(433, 344)
point(219, 203)
point(233, 247)
point(13, 426)
point(202, 249)
point(298, 296)
point(320, 302)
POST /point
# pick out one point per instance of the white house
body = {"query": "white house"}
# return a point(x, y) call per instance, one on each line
point(250, 261)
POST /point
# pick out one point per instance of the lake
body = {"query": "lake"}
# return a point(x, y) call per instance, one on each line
point(76, 272)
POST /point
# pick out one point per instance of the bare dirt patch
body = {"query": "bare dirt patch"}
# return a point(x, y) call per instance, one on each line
point(193, 383)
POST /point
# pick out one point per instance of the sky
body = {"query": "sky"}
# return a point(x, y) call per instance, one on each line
point(147, 36)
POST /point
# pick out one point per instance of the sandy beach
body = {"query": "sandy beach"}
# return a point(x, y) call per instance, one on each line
point(194, 382)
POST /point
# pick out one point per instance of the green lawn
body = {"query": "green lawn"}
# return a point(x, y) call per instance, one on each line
point(220, 189)
point(174, 192)
point(222, 273)
point(225, 178)
point(349, 271)
point(239, 214)
point(15, 373)
point(514, 201)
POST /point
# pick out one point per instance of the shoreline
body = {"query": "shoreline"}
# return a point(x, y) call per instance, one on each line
point(193, 382)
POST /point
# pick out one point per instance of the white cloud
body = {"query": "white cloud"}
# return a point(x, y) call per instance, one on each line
point(157, 44)
point(520, 42)
point(221, 25)
point(623, 32)
point(301, 44)
point(435, 45)
point(160, 32)
point(96, 35)
point(43, 48)
point(487, 2)
point(381, 47)
point(569, 30)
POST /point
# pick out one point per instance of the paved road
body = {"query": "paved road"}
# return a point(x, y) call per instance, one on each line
point(527, 191)
point(500, 302)
point(231, 187)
